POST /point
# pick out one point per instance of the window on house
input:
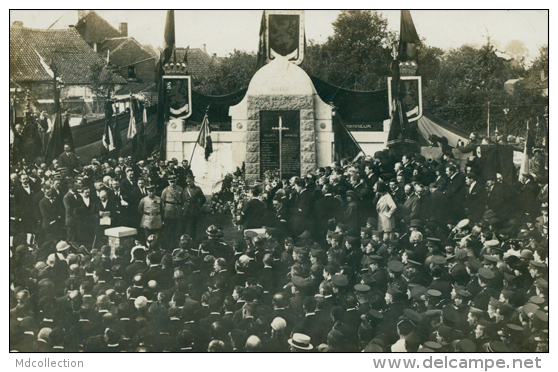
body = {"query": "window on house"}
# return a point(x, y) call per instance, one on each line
point(131, 72)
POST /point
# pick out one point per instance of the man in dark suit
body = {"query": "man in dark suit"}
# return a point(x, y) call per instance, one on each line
point(437, 203)
point(84, 218)
point(23, 198)
point(253, 211)
point(455, 192)
point(52, 213)
point(475, 198)
point(310, 325)
point(68, 160)
point(410, 210)
point(495, 196)
point(105, 212)
point(128, 184)
point(214, 315)
point(301, 210)
point(70, 201)
point(193, 202)
point(327, 207)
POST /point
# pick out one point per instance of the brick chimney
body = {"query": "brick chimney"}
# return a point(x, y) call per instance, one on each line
point(203, 48)
point(123, 28)
point(18, 24)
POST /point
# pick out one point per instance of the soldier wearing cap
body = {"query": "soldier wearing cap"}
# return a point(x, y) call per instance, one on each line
point(376, 275)
point(482, 299)
point(150, 209)
point(172, 199)
point(194, 199)
point(395, 270)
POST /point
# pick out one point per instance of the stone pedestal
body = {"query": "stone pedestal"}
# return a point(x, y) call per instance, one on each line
point(124, 236)
point(277, 89)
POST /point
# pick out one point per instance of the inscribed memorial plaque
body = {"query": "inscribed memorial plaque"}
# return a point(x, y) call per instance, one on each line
point(269, 142)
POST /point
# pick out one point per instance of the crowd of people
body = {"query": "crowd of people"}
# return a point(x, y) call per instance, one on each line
point(383, 254)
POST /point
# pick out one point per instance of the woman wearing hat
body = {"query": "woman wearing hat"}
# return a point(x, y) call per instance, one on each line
point(150, 209)
point(385, 207)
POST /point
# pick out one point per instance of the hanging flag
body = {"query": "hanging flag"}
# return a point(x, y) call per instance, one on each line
point(344, 143)
point(165, 56)
point(402, 136)
point(409, 38)
point(261, 45)
point(45, 65)
point(132, 129)
point(55, 145)
point(527, 151)
point(204, 138)
point(108, 138)
point(168, 47)
point(108, 56)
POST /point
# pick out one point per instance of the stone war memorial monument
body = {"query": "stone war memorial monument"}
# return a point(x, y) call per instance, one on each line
point(284, 120)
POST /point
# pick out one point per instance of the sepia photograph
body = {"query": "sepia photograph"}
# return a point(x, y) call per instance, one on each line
point(277, 181)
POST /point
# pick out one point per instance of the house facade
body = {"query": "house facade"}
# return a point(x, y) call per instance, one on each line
point(35, 54)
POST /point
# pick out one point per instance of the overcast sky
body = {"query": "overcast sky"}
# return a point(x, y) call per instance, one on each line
point(225, 30)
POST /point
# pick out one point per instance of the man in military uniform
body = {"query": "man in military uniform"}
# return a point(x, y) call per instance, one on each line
point(172, 200)
point(193, 201)
point(150, 209)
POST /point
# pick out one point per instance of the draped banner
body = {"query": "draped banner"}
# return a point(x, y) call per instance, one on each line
point(178, 98)
point(284, 35)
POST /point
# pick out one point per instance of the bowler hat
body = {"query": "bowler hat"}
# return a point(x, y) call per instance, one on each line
point(179, 255)
point(212, 231)
point(62, 246)
point(416, 223)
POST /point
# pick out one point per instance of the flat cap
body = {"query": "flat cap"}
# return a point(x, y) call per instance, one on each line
point(439, 260)
point(375, 314)
point(526, 254)
point(337, 237)
point(462, 293)
point(417, 292)
point(538, 264)
point(541, 283)
point(339, 280)
point(433, 293)
point(450, 313)
point(536, 300)
point(485, 273)
point(497, 347)
point(412, 315)
point(299, 282)
point(466, 345)
point(362, 288)
point(461, 224)
point(433, 345)
point(250, 234)
point(395, 266)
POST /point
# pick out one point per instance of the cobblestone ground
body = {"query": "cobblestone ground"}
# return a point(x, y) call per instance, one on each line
point(223, 221)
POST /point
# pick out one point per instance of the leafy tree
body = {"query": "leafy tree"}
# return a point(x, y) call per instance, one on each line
point(229, 74)
point(357, 56)
point(468, 79)
point(531, 97)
